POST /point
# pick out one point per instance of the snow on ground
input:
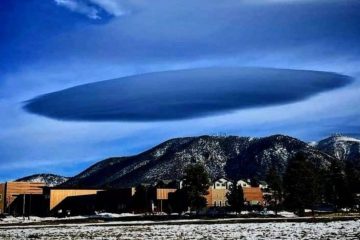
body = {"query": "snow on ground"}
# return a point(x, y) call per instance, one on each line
point(105, 215)
point(11, 219)
point(287, 214)
point(114, 215)
point(330, 230)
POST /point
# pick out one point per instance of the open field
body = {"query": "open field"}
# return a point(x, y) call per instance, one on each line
point(270, 230)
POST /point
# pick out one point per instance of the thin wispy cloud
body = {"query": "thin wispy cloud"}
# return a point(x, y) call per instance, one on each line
point(286, 2)
point(80, 7)
point(113, 7)
point(93, 8)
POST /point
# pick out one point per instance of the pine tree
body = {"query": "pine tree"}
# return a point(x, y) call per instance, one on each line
point(301, 184)
point(196, 185)
point(178, 201)
point(274, 180)
point(235, 198)
point(337, 190)
point(353, 179)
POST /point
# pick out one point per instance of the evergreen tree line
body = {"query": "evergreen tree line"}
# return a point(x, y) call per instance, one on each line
point(302, 186)
point(306, 186)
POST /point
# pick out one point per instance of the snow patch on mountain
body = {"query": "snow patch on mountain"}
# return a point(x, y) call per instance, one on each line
point(347, 139)
point(342, 147)
point(222, 156)
point(50, 180)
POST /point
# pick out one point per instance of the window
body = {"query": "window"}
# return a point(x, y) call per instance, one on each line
point(0, 197)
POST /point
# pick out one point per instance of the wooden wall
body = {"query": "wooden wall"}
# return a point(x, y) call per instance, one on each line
point(163, 193)
point(13, 189)
point(2, 198)
point(253, 195)
point(216, 197)
point(58, 195)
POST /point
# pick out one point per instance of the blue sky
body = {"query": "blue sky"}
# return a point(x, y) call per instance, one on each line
point(50, 45)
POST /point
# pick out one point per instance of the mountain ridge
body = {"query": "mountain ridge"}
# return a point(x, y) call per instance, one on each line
point(49, 179)
point(344, 148)
point(223, 156)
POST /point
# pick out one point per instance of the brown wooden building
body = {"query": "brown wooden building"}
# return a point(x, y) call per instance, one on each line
point(219, 189)
point(216, 197)
point(162, 198)
point(2, 198)
point(253, 196)
point(74, 201)
point(163, 193)
point(10, 191)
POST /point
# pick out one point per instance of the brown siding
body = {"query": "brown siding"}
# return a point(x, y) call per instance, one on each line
point(216, 197)
point(13, 189)
point(2, 198)
point(163, 193)
point(253, 195)
point(58, 195)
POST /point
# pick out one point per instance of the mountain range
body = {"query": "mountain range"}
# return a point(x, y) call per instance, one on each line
point(223, 156)
point(50, 180)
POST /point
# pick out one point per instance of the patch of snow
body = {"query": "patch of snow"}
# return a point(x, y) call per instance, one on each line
point(347, 139)
point(105, 215)
point(287, 214)
point(114, 215)
point(330, 230)
point(11, 219)
point(50, 180)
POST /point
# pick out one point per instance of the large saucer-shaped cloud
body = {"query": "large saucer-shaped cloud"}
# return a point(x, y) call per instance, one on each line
point(183, 94)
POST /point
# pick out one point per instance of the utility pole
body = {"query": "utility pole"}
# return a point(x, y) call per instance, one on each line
point(24, 207)
point(29, 207)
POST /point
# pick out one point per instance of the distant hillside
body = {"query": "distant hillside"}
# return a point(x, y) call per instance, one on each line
point(342, 147)
point(49, 179)
point(231, 156)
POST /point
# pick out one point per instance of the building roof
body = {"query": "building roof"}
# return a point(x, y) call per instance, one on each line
point(243, 180)
point(71, 188)
point(221, 178)
point(263, 183)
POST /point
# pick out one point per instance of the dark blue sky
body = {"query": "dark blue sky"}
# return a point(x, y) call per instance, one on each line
point(50, 45)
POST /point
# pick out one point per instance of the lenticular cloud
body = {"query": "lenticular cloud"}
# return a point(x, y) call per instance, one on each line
point(183, 94)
